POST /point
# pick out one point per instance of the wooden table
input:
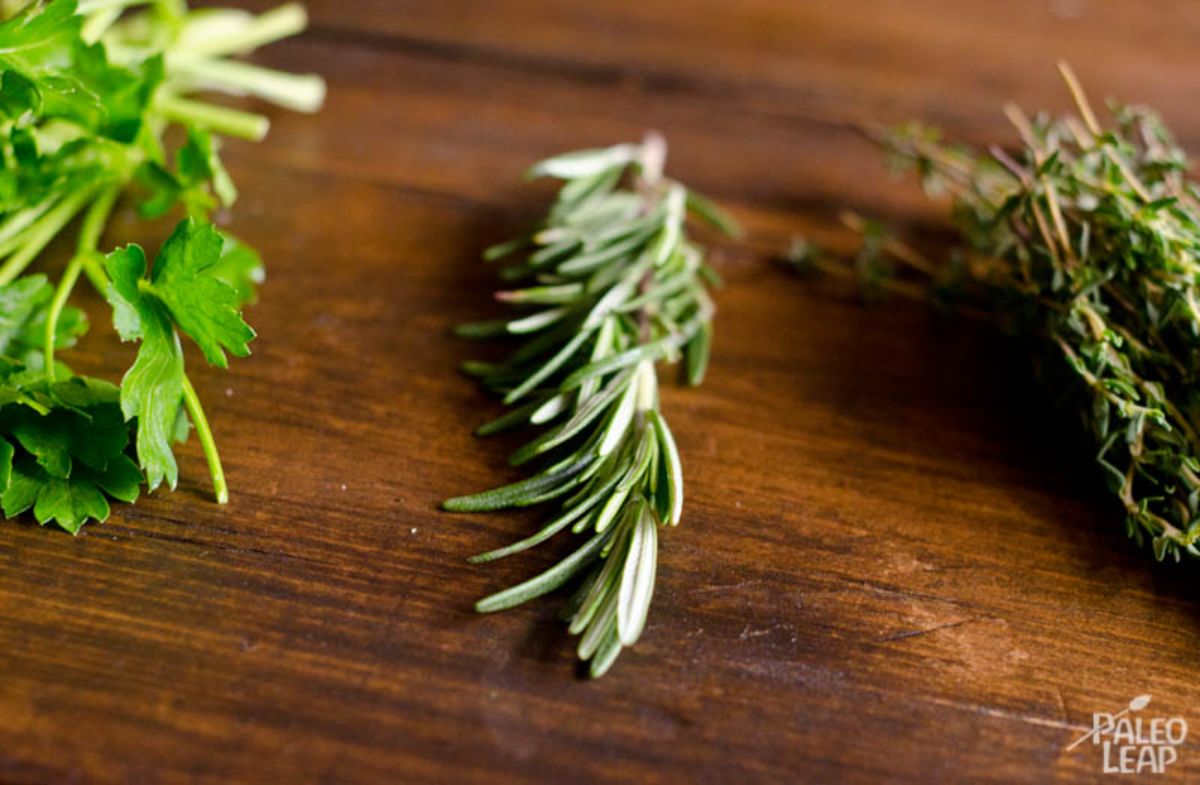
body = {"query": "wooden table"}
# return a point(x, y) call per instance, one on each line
point(890, 570)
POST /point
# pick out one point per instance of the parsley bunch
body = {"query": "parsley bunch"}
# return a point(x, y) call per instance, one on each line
point(88, 91)
point(608, 286)
point(1086, 240)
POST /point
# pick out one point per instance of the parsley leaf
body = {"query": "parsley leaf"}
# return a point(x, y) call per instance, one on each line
point(62, 449)
point(241, 269)
point(180, 291)
point(23, 313)
point(152, 389)
point(197, 166)
point(69, 501)
point(201, 303)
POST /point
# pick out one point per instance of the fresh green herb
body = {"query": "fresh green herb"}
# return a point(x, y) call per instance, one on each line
point(608, 286)
point(1086, 240)
point(88, 91)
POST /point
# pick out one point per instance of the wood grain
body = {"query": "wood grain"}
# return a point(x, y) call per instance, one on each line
point(889, 570)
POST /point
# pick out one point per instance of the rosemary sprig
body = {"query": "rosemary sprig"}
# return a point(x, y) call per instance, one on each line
point(606, 287)
point(1087, 240)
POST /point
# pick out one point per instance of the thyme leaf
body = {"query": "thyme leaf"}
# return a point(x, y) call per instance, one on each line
point(1086, 240)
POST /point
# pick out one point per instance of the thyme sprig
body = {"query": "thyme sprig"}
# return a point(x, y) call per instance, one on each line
point(606, 287)
point(1087, 240)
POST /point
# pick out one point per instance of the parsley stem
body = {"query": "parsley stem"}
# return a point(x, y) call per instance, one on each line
point(45, 229)
point(96, 274)
point(18, 221)
point(204, 434)
point(267, 27)
point(86, 7)
point(89, 239)
point(222, 119)
point(299, 92)
point(100, 16)
point(94, 221)
point(70, 276)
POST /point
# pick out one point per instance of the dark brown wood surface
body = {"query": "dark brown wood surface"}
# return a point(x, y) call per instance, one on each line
point(893, 565)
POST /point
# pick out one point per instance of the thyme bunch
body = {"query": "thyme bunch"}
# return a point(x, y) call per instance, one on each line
point(1086, 239)
point(607, 286)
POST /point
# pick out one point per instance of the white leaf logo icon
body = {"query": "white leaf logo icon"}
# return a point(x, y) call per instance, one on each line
point(1137, 704)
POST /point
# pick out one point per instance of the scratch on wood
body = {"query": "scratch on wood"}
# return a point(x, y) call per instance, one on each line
point(749, 632)
point(725, 587)
point(1062, 704)
point(1007, 714)
point(917, 633)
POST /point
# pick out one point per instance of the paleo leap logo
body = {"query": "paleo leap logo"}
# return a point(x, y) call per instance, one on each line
point(1133, 745)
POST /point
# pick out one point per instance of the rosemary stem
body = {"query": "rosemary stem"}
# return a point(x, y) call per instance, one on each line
point(653, 158)
point(192, 402)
